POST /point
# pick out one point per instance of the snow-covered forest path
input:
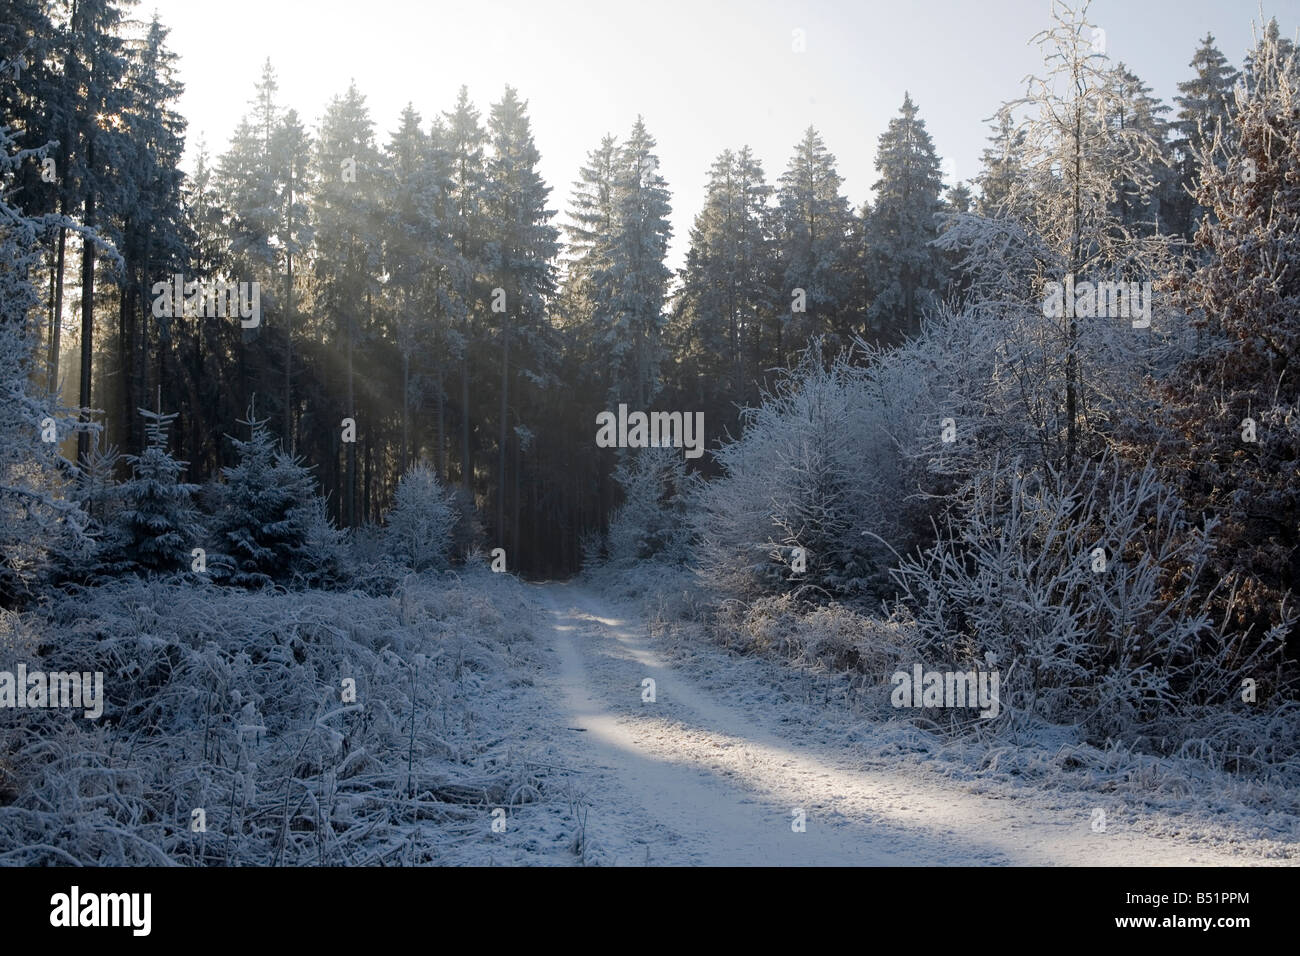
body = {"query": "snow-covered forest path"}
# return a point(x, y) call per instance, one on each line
point(695, 778)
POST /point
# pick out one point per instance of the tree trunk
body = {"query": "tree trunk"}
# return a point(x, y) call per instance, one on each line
point(466, 470)
point(289, 437)
point(56, 317)
point(442, 413)
point(351, 495)
point(87, 316)
point(406, 404)
point(501, 450)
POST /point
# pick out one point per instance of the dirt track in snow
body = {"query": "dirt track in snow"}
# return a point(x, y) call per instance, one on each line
point(694, 779)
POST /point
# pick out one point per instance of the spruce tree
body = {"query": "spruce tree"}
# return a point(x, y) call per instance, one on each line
point(266, 501)
point(348, 172)
point(814, 236)
point(521, 265)
point(158, 521)
point(640, 277)
point(906, 272)
point(1204, 108)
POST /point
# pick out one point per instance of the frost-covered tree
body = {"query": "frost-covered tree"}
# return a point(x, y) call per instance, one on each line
point(640, 277)
point(1060, 218)
point(1146, 204)
point(814, 468)
point(1204, 107)
point(906, 273)
point(158, 524)
point(1244, 297)
point(36, 521)
point(652, 521)
point(814, 232)
point(421, 522)
point(266, 500)
point(1002, 166)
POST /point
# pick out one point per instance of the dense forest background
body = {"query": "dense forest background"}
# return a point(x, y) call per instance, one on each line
point(376, 257)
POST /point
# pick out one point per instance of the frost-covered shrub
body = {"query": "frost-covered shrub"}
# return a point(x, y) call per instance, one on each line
point(322, 561)
point(226, 697)
point(422, 520)
point(1086, 595)
point(814, 468)
point(834, 635)
point(652, 521)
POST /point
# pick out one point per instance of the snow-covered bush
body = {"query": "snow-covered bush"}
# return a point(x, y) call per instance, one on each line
point(652, 521)
point(813, 469)
point(232, 701)
point(322, 560)
point(421, 522)
point(1086, 595)
point(834, 636)
point(267, 503)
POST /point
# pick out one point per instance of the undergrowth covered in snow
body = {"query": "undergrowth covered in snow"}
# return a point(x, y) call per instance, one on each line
point(234, 703)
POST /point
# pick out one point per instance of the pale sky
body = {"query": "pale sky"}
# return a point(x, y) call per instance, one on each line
point(706, 74)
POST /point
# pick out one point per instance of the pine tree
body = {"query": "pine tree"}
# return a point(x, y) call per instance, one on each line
point(521, 264)
point(728, 291)
point(412, 235)
point(589, 282)
point(160, 525)
point(640, 277)
point(814, 234)
point(1002, 167)
point(906, 272)
point(1143, 204)
point(462, 151)
point(1204, 107)
point(290, 158)
point(155, 239)
point(422, 520)
point(266, 506)
point(95, 67)
point(348, 172)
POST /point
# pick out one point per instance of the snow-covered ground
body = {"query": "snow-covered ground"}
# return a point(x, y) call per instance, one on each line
point(501, 723)
point(712, 771)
